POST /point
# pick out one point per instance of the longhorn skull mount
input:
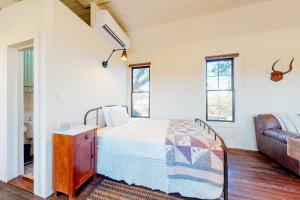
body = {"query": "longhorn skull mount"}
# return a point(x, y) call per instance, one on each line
point(278, 75)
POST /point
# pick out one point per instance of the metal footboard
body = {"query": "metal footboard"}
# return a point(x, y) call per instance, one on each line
point(224, 148)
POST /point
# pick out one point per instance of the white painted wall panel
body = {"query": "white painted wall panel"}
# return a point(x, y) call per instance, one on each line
point(70, 55)
point(261, 33)
point(18, 23)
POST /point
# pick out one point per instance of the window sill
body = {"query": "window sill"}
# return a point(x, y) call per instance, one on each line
point(139, 117)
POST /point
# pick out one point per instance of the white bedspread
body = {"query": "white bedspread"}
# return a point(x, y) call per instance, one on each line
point(135, 153)
point(140, 137)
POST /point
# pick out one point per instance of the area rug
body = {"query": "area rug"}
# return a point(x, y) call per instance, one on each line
point(29, 171)
point(112, 190)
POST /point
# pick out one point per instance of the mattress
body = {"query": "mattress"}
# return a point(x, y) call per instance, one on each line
point(135, 153)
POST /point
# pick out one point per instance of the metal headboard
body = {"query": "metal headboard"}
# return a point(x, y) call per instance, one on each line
point(97, 113)
point(224, 148)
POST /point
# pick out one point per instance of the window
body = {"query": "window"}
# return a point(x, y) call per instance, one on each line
point(140, 92)
point(220, 90)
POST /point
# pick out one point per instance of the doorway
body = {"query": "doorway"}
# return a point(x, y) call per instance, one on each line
point(28, 112)
point(20, 91)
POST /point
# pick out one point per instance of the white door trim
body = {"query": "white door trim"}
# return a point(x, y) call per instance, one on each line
point(21, 113)
point(13, 112)
point(7, 172)
point(37, 130)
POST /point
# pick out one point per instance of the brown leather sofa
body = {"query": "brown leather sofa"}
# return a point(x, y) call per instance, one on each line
point(272, 141)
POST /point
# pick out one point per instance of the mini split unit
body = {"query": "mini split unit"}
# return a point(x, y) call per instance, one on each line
point(106, 24)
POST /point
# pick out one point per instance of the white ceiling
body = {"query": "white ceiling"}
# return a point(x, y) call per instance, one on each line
point(5, 3)
point(134, 14)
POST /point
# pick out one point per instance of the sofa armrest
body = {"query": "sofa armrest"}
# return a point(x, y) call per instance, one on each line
point(279, 134)
point(264, 122)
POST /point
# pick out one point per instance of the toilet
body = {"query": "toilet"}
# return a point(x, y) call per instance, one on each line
point(29, 131)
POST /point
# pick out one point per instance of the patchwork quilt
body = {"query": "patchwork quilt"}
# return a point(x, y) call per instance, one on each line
point(191, 154)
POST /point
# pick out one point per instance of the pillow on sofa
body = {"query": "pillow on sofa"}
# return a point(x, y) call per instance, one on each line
point(288, 121)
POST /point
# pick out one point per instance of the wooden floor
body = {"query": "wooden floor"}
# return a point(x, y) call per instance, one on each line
point(23, 183)
point(252, 176)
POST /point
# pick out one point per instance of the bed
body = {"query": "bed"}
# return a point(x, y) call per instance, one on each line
point(136, 153)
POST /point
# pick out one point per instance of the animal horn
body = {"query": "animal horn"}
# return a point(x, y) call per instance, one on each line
point(291, 66)
point(273, 67)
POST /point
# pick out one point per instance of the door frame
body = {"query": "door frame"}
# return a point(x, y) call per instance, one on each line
point(21, 103)
point(20, 110)
point(10, 142)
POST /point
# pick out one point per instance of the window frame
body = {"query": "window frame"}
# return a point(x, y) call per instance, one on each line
point(231, 90)
point(132, 92)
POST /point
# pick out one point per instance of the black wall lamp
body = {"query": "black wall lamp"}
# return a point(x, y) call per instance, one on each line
point(123, 57)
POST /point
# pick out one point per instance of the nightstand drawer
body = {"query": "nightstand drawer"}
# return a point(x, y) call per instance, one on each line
point(84, 137)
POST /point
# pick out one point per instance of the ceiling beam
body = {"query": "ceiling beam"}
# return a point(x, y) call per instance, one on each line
point(78, 9)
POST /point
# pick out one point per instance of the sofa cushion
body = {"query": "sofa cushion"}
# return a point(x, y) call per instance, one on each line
point(279, 134)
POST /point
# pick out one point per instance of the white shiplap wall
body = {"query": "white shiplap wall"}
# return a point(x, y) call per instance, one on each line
point(71, 79)
point(261, 33)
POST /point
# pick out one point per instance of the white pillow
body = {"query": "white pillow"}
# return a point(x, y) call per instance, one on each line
point(118, 116)
point(106, 114)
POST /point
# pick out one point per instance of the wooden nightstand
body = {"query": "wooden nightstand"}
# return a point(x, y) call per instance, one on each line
point(293, 147)
point(74, 158)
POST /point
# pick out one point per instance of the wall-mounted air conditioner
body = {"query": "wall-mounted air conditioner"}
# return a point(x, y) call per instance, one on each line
point(106, 24)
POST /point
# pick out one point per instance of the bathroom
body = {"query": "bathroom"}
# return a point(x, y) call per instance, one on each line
point(28, 113)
